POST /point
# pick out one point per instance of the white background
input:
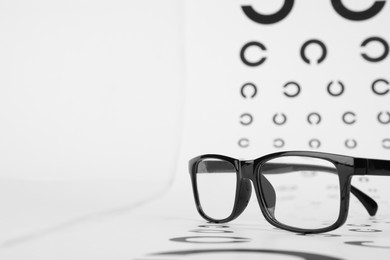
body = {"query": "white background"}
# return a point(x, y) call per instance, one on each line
point(92, 107)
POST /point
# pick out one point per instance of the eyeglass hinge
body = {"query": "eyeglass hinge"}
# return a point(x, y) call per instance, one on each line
point(361, 166)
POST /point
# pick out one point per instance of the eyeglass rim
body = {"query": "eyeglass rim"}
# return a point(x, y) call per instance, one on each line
point(344, 190)
point(193, 164)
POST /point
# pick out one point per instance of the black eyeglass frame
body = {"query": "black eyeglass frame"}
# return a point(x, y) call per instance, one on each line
point(250, 170)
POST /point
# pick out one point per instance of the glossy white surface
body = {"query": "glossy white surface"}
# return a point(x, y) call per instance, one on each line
point(106, 228)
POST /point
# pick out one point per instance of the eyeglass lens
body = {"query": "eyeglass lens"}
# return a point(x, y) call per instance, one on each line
point(307, 191)
point(216, 183)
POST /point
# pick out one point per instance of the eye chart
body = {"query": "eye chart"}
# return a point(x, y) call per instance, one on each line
point(276, 75)
point(266, 76)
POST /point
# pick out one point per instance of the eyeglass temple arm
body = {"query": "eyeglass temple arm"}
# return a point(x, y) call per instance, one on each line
point(373, 167)
point(369, 204)
point(274, 168)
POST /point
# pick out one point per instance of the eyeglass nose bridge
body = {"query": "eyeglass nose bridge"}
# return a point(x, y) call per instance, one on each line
point(245, 188)
point(247, 169)
point(268, 191)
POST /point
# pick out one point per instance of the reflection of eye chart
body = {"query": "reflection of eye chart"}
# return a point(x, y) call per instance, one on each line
point(252, 238)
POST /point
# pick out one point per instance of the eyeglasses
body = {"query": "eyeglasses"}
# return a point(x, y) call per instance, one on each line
point(304, 192)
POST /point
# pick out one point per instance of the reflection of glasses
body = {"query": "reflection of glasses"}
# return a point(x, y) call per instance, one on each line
point(304, 192)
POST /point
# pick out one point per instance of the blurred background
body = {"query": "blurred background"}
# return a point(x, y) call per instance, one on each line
point(102, 103)
point(91, 97)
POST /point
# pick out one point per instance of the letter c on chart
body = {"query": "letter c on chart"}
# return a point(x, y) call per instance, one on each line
point(279, 119)
point(386, 143)
point(271, 18)
point(310, 42)
point(349, 118)
point(259, 252)
point(385, 49)
point(244, 58)
point(350, 143)
point(366, 244)
point(334, 93)
point(211, 231)
point(246, 119)
point(375, 89)
point(278, 143)
point(357, 15)
point(314, 143)
point(243, 142)
point(251, 86)
point(314, 118)
point(206, 239)
point(296, 89)
point(365, 230)
point(381, 117)
point(213, 226)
